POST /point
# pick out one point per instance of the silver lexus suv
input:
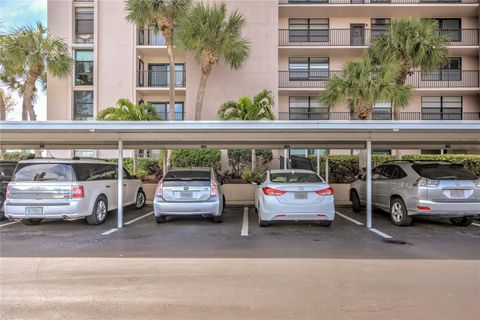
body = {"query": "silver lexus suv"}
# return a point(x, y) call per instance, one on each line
point(421, 188)
point(68, 189)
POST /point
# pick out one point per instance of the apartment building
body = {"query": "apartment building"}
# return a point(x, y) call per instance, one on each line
point(296, 45)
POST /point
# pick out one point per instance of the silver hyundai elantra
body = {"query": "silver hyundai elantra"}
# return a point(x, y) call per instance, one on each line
point(294, 195)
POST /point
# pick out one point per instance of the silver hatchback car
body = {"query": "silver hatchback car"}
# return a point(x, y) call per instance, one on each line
point(422, 188)
point(294, 195)
point(192, 191)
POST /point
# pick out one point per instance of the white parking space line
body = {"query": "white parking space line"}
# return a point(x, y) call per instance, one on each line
point(9, 223)
point(381, 234)
point(106, 233)
point(349, 219)
point(476, 224)
point(139, 218)
point(244, 232)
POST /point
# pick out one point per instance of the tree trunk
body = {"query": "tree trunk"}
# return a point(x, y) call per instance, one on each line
point(27, 107)
point(135, 161)
point(254, 160)
point(171, 94)
point(3, 111)
point(201, 94)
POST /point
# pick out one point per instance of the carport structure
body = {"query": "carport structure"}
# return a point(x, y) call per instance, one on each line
point(241, 134)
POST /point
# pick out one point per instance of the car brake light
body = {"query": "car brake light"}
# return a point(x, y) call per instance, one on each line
point(422, 208)
point(325, 192)
point(273, 192)
point(77, 192)
point(159, 190)
point(8, 195)
point(213, 189)
point(425, 182)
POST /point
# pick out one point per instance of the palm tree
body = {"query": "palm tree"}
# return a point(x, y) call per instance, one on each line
point(364, 83)
point(210, 34)
point(27, 54)
point(414, 44)
point(6, 103)
point(125, 110)
point(163, 16)
point(260, 108)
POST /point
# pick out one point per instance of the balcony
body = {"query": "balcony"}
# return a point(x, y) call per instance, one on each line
point(377, 115)
point(461, 80)
point(159, 79)
point(148, 37)
point(179, 116)
point(357, 37)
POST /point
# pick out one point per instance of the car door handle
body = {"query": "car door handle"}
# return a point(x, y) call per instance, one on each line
point(107, 186)
point(125, 185)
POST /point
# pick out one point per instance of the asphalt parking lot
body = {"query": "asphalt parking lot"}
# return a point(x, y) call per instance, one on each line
point(192, 268)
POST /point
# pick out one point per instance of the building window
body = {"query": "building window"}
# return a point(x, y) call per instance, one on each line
point(163, 110)
point(307, 108)
point(83, 105)
point(442, 108)
point(451, 28)
point(83, 25)
point(159, 75)
point(451, 72)
point(308, 30)
point(84, 153)
point(382, 111)
point(83, 67)
point(308, 69)
point(380, 26)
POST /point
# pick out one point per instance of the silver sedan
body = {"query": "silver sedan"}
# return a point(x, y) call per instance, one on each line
point(294, 195)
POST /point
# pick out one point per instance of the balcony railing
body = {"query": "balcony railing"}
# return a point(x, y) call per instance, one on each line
point(357, 37)
point(357, 2)
point(148, 37)
point(179, 116)
point(378, 115)
point(153, 79)
point(417, 79)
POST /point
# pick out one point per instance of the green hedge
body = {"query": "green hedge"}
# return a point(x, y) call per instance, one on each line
point(146, 166)
point(17, 156)
point(471, 162)
point(196, 158)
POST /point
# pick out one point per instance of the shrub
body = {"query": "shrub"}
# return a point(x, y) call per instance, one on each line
point(147, 165)
point(252, 176)
point(471, 162)
point(196, 158)
point(264, 158)
point(238, 159)
point(17, 156)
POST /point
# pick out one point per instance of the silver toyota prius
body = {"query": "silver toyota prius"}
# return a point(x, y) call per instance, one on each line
point(294, 195)
point(192, 191)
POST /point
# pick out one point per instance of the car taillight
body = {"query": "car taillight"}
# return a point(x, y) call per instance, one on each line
point(325, 192)
point(273, 192)
point(8, 195)
point(425, 182)
point(77, 192)
point(213, 189)
point(159, 191)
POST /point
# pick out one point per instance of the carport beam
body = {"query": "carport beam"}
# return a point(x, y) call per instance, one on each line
point(369, 184)
point(120, 185)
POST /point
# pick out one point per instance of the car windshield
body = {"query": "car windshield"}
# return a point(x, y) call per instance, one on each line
point(44, 172)
point(6, 170)
point(295, 177)
point(444, 172)
point(188, 175)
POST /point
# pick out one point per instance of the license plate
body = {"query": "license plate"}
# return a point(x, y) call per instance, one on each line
point(457, 193)
point(300, 195)
point(187, 194)
point(33, 210)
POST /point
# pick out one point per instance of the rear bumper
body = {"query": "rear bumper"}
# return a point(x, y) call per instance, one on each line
point(278, 212)
point(72, 209)
point(212, 207)
point(446, 210)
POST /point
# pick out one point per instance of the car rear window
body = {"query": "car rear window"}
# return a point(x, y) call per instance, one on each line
point(6, 170)
point(187, 175)
point(444, 172)
point(44, 172)
point(294, 177)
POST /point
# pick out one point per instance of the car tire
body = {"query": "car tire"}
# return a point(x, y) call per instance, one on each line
point(140, 200)
point(325, 223)
point(224, 203)
point(160, 219)
point(32, 222)
point(2, 214)
point(356, 204)
point(262, 223)
point(399, 214)
point(217, 219)
point(462, 221)
point(99, 212)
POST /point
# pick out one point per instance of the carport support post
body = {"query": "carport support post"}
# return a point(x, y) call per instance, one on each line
point(369, 184)
point(120, 185)
point(327, 168)
point(285, 159)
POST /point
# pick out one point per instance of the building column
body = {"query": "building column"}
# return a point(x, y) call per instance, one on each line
point(369, 184)
point(120, 185)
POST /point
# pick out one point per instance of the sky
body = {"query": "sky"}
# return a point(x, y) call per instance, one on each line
point(16, 13)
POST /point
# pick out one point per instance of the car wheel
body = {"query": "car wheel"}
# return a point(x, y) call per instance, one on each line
point(462, 221)
point(356, 204)
point(2, 213)
point(399, 214)
point(262, 223)
point(32, 222)
point(218, 219)
point(325, 223)
point(140, 200)
point(99, 213)
point(224, 203)
point(160, 219)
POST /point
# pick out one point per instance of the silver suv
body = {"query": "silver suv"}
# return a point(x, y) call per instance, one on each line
point(422, 188)
point(68, 189)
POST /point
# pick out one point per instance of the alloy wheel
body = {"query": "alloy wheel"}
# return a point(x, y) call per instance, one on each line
point(101, 210)
point(140, 200)
point(397, 211)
